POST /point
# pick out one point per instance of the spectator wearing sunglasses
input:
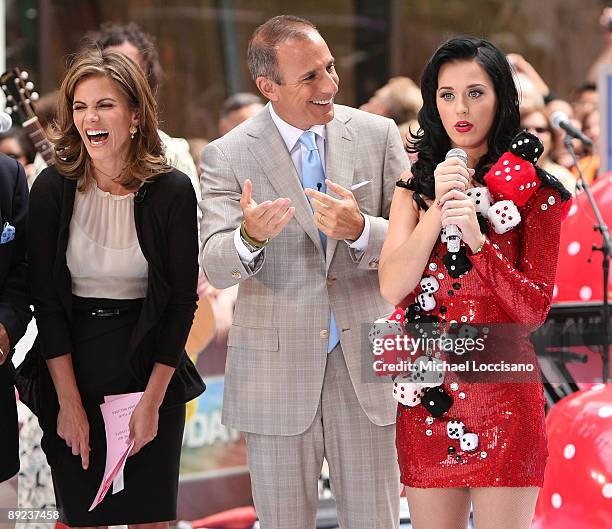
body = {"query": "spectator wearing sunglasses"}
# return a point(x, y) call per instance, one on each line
point(537, 123)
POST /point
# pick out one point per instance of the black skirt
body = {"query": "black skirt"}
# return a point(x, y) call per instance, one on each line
point(101, 368)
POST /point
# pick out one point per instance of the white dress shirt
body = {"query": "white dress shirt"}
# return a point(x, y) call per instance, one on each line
point(291, 136)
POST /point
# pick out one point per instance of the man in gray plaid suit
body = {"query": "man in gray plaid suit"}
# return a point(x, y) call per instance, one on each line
point(303, 242)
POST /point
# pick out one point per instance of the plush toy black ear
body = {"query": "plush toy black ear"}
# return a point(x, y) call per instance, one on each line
point(457, 263)
point(526, 146)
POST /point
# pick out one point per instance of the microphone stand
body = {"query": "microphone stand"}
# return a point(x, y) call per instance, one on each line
point(605, 250)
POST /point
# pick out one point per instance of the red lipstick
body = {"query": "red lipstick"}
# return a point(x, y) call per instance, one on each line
point(463, 126)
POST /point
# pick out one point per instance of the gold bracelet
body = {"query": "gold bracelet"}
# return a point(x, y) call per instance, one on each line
point(250, 240)
point(481, 246)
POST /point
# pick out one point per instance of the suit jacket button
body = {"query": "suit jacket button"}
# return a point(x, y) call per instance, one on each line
point(236, 274)
point(373, 263)
point(324, 333)
point(330, 280)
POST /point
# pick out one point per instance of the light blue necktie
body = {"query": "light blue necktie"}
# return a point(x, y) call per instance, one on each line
point(313, 176)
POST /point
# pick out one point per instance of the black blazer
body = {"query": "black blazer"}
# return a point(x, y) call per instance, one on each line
point(14, 306)
point(166, 226)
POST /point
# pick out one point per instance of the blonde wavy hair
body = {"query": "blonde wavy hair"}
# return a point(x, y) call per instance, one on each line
point(146, 157)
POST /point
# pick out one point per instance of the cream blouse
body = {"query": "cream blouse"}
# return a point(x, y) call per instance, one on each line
point(104, 256)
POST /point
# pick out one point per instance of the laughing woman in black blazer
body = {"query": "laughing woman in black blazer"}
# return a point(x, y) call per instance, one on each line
point(14, 308)
point(113, 260)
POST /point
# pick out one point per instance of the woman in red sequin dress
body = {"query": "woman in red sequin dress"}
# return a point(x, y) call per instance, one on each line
point(473, 442)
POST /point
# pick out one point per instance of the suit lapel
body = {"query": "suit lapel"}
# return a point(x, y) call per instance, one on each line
point(339, 162)
point(270, 151)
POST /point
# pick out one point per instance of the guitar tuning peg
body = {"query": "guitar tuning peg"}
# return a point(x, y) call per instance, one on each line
point(15, 108)
point(9, 97)
point(8, 110)
point(24, 75)
point(4, 87)
point(22, 91)
point(34, 96)
point(29, 86)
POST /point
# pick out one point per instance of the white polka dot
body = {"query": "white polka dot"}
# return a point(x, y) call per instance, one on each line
point(517, 167)
point(569, 451)
point(585, 293)
point(497, 173)
point(508, 178)
point(605, 412)
point(556, 500)
point(607, 490)
point(572, 210)
point(555, 291)
point(573, 248)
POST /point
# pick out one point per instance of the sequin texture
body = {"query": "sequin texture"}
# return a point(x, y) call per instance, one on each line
point(511, 282)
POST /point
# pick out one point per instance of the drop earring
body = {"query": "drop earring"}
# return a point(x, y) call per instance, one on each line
point(133, 130)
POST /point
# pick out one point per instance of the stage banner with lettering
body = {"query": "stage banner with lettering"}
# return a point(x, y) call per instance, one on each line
point(209, 448)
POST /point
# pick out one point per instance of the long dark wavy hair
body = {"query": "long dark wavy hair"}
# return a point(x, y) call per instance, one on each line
point(431, 142)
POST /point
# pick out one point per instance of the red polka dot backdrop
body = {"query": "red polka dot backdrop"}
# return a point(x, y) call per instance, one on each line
point(577, 278)
point(577, 492)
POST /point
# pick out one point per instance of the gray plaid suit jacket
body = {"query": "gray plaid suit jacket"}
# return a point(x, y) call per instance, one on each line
point(277, 345)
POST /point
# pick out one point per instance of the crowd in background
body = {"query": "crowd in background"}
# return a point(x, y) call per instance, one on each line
point(399, 99)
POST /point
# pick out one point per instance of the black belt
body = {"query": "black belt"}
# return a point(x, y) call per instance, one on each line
point(110, 313)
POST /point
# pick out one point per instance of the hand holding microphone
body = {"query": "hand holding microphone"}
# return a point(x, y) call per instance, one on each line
point(452, 178)
point(452, 173)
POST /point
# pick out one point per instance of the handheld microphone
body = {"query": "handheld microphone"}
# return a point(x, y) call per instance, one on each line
point(560, 121)
point(453, 233)
point(6, 122)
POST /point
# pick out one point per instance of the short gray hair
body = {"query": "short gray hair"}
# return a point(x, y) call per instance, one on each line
point(261, 54)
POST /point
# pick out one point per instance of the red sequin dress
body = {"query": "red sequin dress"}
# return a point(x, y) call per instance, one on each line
point(511, 281)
